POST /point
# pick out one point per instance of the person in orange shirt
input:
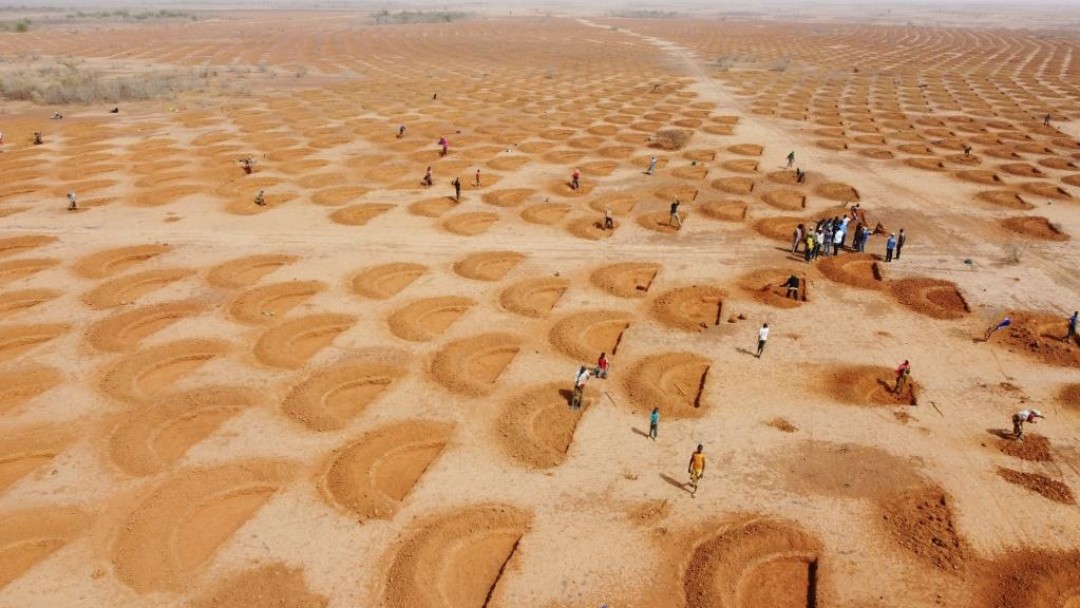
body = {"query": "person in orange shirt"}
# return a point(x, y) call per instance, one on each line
point(696, 469)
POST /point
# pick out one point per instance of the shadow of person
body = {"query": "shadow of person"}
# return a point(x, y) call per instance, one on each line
point(1002, 433)
point(567, 394)
point(675, 482)
point(745, 351)
point(639, 431)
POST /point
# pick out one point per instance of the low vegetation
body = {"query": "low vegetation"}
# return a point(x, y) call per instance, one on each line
point(404, 17)
point(644, 14)
point(126, 15)
point(19, 26)
point(64, 82)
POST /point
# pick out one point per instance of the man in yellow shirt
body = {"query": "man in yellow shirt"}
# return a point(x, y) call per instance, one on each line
point(696, 468)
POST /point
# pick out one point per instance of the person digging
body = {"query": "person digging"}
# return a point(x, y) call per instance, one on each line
point(1021, 417)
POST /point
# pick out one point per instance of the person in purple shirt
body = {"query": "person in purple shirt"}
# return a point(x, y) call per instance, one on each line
point(1001, 325)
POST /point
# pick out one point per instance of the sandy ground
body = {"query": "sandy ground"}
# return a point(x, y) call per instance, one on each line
point(357, 394)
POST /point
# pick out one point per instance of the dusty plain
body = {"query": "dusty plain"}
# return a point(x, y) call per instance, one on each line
point(356, 395)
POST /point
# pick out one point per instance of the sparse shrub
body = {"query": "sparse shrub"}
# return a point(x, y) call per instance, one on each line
point(1013, 254)
point(672, 139)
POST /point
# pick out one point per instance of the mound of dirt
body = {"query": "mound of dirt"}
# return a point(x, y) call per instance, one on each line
point(545, 214)
point(156, 437)
point(433, 207)
point(837, 192)
point(29, 537)
point(533, 297)
point(1041, 336)
point(387, 280)
point(460, 554)
point(15, 302)
point(754, 563)
point(584, 335)
point(734, 185)
point(725, 211)
point(243, 272)
point(471, 366)
point(508, 198)
point(695, 308)
point(124, 330)
point(488, 265)
point(921, 520)
point(1069, 396)
point(20, 244)
point(270, 586)
point(263, 304)
point(21, 268)
point(359, 215)
point(779, 228)
point(1040, 484)
point(592, 228)
point(675, 381)
point(857, 270)
point(471, 223)
point(537, 427)
point(1028, 578)
point(746, 149)
point(1034, 447)
point(867, 385)
point(931, 297)
point(1004, 198)
point(1036, 227)
point(17, 340)
point(333, 395)
point(626, 280)
point(429, 318)
point(371, 476)
point(766, 285)
point(789, 200)
point(290, 344)
point(175, 531)
point(21, 384)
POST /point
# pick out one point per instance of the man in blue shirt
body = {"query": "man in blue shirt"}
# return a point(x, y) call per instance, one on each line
point(1072, 326)
point(890, 245)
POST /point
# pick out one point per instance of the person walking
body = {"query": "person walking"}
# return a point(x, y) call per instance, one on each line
point(457, 189)
point(444, 145)
point(654, 423)
point(1021, 417)
point(579, 387)
point(696, 469)
point(673, 218)
point(476, 182)
point(901, 238)
point(890, 246)
point(575, 179)
point(1001, 325)
point(260, 199)
point(762, 338)
point(1073, 320)
point(790, 159)
point(1046, 120)
point(72, 205)
point(427, 181)
point(401, 132)
point(609, 222)
point(902, 373)
point(601, 367)
point(652, 166)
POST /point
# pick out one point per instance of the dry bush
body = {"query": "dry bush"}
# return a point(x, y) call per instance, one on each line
point(672, 139)
point(1013, 254)
point(64, 83)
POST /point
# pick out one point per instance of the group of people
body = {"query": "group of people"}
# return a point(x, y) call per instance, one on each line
point(829, 235)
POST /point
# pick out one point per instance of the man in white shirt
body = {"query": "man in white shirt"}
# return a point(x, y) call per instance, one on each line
point(762, 337)
point(1019, 418)
point(579, 387)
